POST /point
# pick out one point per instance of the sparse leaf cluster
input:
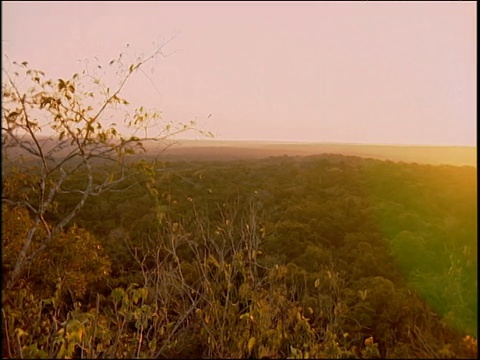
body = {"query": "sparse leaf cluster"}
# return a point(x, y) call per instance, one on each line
point(63, 128)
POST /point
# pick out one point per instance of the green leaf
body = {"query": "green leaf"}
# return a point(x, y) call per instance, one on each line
point(118, 294)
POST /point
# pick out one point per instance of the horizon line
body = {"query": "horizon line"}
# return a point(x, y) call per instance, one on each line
point(302, 142)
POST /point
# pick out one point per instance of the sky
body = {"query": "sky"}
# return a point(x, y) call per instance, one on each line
point(348, 72)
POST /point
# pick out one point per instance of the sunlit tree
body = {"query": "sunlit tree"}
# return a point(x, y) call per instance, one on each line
point(77, 116)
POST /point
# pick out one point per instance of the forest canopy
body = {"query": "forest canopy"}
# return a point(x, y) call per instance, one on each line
point(323, 256)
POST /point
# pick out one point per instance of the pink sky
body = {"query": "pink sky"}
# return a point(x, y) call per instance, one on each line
point(361, 72)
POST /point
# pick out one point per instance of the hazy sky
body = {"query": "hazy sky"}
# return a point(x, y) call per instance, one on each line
point(362, 72)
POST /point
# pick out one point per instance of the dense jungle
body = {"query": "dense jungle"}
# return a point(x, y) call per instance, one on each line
point(325, 256)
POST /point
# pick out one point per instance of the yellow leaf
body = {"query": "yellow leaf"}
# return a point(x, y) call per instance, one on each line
point(317, 283)
point(251, 344)
point(20, 332)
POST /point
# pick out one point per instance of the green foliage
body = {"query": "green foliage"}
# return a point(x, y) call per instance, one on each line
point(322, 257)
